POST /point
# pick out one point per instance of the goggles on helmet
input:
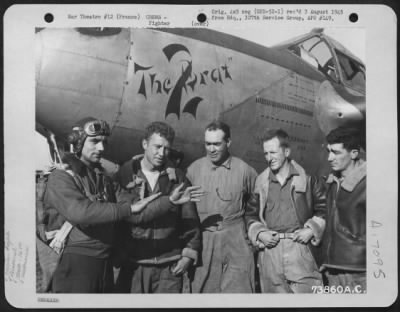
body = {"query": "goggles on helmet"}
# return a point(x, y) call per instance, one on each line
point(96, 127)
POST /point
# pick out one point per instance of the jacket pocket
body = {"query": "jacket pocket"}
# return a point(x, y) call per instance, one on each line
point(344, 231)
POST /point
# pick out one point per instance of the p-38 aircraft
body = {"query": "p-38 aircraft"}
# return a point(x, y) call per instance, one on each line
point(188, 77)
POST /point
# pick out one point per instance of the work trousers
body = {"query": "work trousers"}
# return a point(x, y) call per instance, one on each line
point(289, 267)
point(356, 281)
point(227, 264)
point(148, 278)
point(82, 274)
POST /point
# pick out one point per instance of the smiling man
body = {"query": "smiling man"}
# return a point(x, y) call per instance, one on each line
point(157, 252)
point(227, 262)
point(345, 238)
point(289, 220)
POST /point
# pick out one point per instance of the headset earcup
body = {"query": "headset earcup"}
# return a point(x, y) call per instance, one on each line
point(74, 137)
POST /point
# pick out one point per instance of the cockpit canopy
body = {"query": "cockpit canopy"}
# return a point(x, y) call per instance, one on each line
point(331, 58)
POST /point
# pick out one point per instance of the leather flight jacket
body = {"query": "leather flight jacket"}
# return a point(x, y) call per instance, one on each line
point(344, 242)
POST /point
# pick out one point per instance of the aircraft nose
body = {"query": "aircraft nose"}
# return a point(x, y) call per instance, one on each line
point(332, 110)
point(360, 105)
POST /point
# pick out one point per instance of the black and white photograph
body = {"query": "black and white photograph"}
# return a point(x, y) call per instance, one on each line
point(190, 154)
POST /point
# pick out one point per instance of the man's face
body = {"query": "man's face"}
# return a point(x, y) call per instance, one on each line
point(216, 146)
point(340, 158)
point(93, 149)
point(156, 150)
point(275, 154)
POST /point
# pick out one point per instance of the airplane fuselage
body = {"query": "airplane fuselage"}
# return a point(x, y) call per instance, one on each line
point(132, 77)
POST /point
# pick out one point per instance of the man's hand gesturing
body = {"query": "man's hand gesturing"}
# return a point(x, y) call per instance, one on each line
point(141, 204)
point(191, 193)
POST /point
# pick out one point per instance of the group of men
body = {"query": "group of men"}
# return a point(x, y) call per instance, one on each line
point(207, 227)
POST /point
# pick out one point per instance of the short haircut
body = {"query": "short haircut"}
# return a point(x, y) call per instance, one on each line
point(160, 128)
point(350, 137)
point(220, 125)
point(282, 136)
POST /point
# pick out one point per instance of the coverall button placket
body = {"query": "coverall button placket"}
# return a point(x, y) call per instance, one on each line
point(224, 186)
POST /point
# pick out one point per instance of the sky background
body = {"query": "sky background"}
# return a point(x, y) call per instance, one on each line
point(352, 38)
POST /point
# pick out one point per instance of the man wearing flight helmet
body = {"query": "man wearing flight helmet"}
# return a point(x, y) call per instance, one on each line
point(81, 196)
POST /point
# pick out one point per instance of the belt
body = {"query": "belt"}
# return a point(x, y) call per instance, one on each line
point(285, 235)
point(220, 224)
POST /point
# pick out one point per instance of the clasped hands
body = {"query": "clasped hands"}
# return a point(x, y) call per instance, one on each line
point(269, 239)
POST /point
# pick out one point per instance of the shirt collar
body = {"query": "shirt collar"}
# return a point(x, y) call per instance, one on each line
point(354, 177)
point(292, 172)
point(226, 164)
point(166, 170)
